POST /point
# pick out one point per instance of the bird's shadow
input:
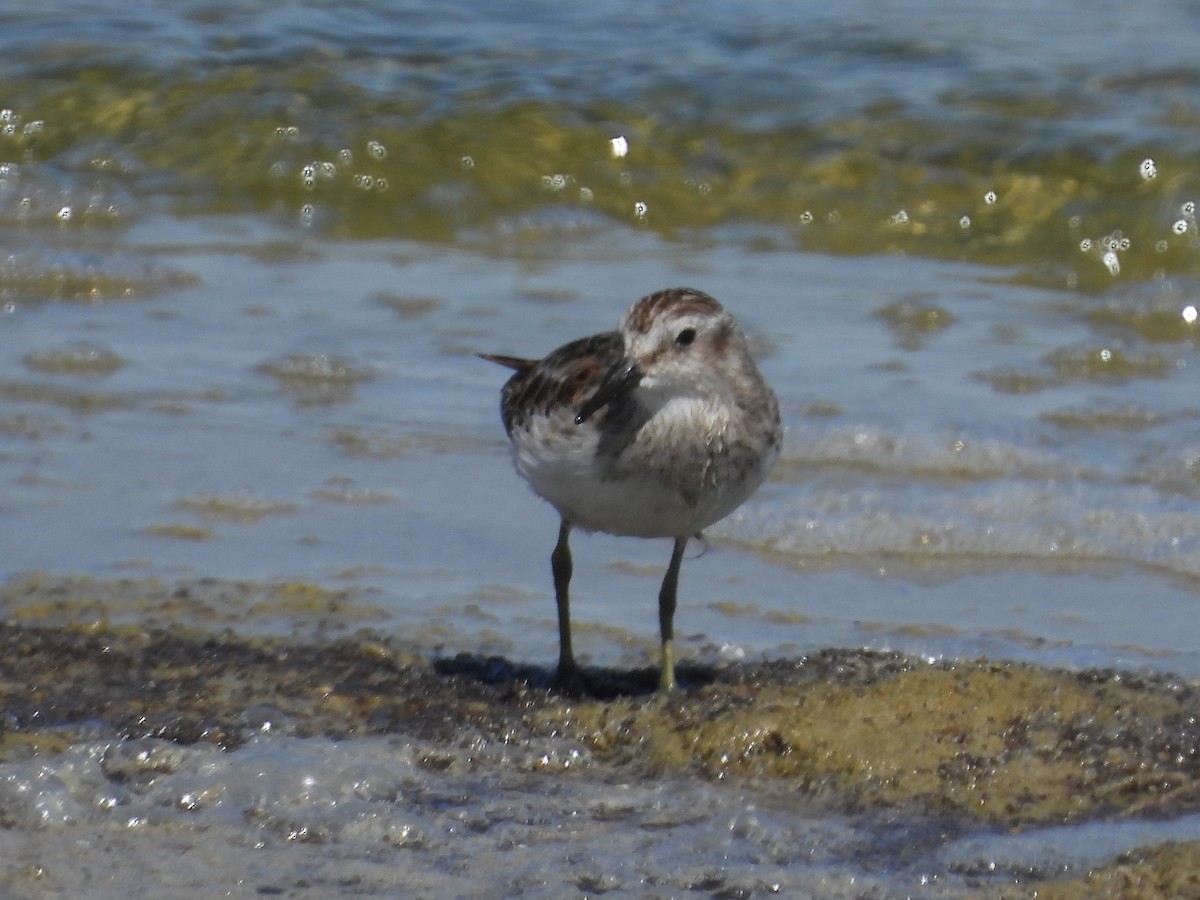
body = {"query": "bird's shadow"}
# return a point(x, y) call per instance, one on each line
point(592, 683)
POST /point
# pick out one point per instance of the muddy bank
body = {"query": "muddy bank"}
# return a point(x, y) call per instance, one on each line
point(939, 751)
point(1003, 743)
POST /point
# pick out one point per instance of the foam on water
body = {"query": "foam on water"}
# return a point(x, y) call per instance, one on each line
point(412, 814)
point(388, 815)
point(921, 496)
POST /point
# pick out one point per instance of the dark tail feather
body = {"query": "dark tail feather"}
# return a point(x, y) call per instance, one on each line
point(510, 362)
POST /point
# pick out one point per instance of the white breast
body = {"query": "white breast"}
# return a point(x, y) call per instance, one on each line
point(685, 469)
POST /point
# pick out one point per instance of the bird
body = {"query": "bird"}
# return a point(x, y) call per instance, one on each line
point(655, 430)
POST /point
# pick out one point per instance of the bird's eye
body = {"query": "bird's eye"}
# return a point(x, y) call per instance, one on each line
point(685, 337)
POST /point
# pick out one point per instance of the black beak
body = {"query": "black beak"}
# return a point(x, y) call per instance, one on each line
point(616, 383)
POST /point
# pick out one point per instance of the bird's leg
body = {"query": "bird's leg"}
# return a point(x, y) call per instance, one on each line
point(567, 673)
point(666, 616)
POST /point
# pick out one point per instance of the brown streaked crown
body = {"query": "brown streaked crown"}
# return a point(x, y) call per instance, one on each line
point(679, 301)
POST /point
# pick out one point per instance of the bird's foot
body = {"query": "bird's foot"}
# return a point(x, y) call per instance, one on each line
point(568, 679)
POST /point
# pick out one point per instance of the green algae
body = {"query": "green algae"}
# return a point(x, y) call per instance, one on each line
point(316, 379)
point(1001, 743)
point(30, 427)
point(296, 138)
point(1067, 365)
point(986, 745)
point(1123, 418)
point(179, 531)
point(78, 401)
point(239, 508)
point(406, 306)
point(1164, 872)
point(38, 599)
point(81, 359)
point(913, 321)
point(1157, 325)
point(1105, 364)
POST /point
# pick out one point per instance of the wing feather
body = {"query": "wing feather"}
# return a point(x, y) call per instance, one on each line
point(566, 377)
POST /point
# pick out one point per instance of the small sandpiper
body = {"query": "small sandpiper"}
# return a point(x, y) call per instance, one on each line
point(656, 430)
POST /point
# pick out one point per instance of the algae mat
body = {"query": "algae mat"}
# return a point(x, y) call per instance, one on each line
point(1006, 743)
point(1005, 746)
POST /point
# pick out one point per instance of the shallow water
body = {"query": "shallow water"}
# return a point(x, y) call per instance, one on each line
point(367, 819)
point(252, 249)
point(280, 425)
